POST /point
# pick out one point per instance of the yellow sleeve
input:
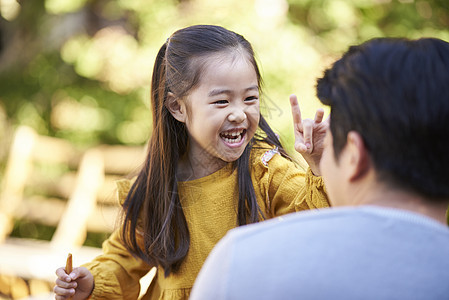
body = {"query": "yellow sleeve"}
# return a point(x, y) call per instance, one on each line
point(117, 272)
point(285, 188)
point(313, 195)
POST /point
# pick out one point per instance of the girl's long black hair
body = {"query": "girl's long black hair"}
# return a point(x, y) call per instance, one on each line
point(152, 208)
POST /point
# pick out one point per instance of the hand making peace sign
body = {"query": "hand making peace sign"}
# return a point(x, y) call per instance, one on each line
point(309, 135)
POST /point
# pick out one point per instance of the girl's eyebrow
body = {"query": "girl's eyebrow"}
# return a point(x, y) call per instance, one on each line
point(252, 88)
point(215, 92)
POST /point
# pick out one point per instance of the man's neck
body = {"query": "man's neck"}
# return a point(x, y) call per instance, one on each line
point(393, 198)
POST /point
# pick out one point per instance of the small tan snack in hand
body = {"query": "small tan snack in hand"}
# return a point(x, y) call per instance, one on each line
point(68, 265)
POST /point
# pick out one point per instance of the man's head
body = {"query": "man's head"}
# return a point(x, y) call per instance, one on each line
point(389, 98)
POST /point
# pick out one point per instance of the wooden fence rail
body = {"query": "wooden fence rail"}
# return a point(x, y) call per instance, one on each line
point(80, 199)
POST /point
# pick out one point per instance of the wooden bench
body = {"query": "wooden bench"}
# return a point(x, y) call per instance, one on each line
point(80, 198)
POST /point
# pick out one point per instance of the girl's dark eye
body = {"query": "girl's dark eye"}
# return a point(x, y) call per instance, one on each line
point(252, 98)
point(221, 102)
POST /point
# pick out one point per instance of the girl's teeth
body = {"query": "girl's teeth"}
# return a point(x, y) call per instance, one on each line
point(234, 133)
point(231, 141)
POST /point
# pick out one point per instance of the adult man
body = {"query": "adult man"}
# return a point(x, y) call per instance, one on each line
point(386, 169)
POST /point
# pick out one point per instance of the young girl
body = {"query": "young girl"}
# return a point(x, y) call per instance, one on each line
point(213, 164)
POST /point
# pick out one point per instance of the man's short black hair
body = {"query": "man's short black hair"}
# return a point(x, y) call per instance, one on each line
point(395, 94)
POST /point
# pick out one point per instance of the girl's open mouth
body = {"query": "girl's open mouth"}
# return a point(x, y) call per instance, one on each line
point(233, 137)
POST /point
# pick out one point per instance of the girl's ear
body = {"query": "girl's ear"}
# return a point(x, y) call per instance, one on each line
point(359, 160)
point(176, 107)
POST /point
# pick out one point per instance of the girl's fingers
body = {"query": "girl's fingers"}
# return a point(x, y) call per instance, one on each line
point(319, 115)
point(296, 113)
point(308, 132)
point(300, 147)
point(63, 292)
point(304, 128)
point(62, 275)
point(66, 285)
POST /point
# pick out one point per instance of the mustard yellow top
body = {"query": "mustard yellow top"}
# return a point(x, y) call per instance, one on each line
point(210, 205)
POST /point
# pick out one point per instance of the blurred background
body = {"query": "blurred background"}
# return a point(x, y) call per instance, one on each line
point(79, 70)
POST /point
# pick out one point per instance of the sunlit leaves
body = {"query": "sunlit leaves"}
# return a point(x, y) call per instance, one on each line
point(63, 6)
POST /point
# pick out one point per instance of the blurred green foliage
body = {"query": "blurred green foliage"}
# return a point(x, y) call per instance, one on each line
point(81, 69)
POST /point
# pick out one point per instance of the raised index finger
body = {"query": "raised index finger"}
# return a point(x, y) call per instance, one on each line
point(296, 112)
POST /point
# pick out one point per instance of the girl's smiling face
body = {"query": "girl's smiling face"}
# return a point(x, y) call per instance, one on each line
point(222, 111)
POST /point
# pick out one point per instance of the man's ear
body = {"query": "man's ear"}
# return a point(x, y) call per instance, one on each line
point(176, 107)
point(359, 160)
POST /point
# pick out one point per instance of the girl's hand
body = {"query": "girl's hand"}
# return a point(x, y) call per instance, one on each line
point(309, 135)
point(78, 284)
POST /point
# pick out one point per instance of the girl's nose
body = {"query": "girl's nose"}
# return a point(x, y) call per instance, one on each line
point(237, 116)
